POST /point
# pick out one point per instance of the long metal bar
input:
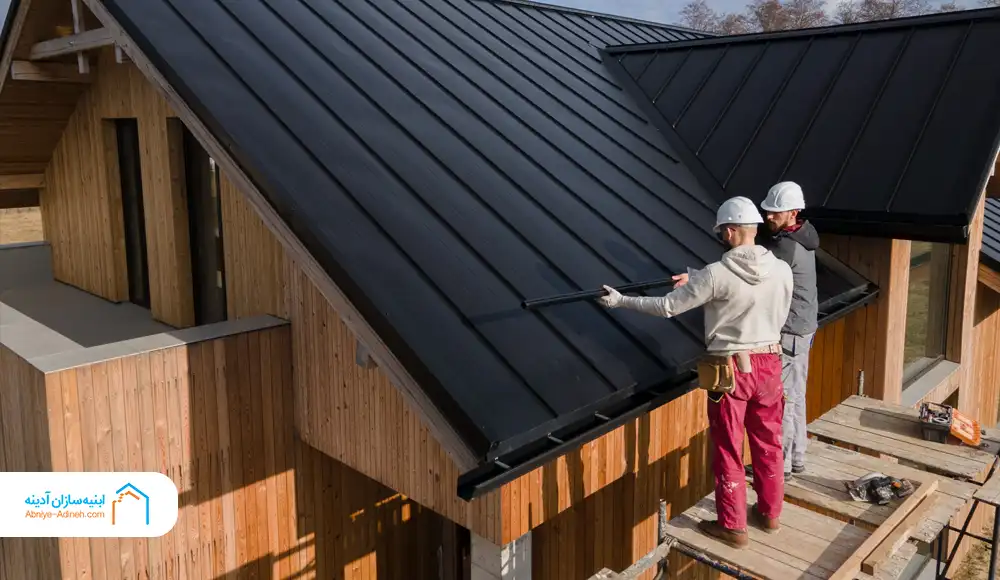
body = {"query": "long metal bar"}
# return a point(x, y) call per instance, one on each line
point(590, 294)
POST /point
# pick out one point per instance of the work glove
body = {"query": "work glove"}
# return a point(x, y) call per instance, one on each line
point(613, 299)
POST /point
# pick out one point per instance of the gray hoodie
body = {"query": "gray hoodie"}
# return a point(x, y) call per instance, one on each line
point(746, 296)
point(798, 249)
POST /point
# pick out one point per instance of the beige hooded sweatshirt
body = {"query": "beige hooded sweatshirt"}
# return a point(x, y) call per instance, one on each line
point(747, 295)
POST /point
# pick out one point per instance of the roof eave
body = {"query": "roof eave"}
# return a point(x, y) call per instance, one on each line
point(533, 449)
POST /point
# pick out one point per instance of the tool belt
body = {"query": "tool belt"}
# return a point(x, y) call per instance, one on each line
point(717, 372)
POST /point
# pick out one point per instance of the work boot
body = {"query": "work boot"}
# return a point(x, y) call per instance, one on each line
point(798, 469)
point(769, 525)
point(732, 538)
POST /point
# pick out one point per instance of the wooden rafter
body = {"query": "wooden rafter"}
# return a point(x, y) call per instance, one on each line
point(27, 181)
point(79, 26)
point(23, 70)
point(76, 43)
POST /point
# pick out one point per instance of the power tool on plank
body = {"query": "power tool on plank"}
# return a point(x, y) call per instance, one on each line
point(938, 421)
point(878, 488)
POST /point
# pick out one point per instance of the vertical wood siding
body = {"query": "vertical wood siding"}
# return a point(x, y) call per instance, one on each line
point(348, 412)
point(987, 357)
point(215, 417)
point(81, 205)
point(870, 339)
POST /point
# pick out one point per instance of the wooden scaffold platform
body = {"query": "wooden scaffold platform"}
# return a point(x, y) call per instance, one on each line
point(826, 534)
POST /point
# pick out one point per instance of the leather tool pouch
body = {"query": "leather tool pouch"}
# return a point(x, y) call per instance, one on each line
point(716, 374)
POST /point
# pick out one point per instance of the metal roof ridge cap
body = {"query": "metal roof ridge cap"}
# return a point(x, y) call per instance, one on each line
point(977, 14)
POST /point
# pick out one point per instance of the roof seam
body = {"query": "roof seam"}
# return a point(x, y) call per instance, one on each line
point(930, 114)
point(868, 115)
point(670, 79)
point(600, 110)
point(732, 99)
point(579, 33)
point(558, 64)
point(569, 158)
point(767, 114)
point(526, 194)
point(560, 337)
point(819, 108)
point(561, 50)
point(531, 102)
point(420, 272)
point(701, 85)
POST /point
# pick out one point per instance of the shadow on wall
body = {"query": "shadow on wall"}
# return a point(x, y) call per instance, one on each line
point(217, 418)
point(611, 528)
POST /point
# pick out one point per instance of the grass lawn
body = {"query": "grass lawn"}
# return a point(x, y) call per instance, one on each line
point(20, 225)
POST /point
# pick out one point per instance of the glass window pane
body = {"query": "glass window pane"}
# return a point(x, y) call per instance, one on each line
point(926, 307)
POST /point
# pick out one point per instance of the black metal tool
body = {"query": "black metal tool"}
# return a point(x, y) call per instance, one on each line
point(590, 294)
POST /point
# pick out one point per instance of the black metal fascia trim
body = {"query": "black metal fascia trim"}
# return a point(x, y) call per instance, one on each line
point(490, 475)
point(946, 233)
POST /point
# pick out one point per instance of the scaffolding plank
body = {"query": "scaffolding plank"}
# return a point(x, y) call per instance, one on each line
point(821, 543)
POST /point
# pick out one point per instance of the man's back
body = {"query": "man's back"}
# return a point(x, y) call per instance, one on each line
point(751, 297)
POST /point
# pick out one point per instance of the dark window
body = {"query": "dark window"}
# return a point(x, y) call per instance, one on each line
point(205, 228)
point(127, 133)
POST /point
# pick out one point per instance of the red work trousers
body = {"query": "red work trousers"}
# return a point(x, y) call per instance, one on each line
point(756, 402)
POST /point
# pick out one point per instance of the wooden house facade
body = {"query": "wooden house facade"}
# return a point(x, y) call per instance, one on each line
point(268, 274)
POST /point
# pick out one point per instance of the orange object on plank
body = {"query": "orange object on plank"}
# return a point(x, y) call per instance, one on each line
point(966, 429)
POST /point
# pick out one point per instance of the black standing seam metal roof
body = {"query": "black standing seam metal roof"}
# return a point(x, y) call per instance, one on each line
point(445, 160)
point(890, 127)
point(990, 253)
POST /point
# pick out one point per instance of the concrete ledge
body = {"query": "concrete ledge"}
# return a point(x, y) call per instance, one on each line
point(935, 385)
point(80, 357)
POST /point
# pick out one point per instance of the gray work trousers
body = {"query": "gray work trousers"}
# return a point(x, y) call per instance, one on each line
point(794, 375)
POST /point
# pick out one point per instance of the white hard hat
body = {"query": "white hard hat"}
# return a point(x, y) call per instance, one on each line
point(739, 211)
point(784, 196)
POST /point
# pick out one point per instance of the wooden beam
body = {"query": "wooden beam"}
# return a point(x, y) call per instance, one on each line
point(989, 277)
point(880, 556)
point(439, 427)
point(53, 72)
point(79, 26)
point(29, 181)
point(91, 39)
point(15, 34)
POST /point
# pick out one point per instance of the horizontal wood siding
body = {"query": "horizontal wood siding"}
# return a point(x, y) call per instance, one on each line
point(215, 417)
point(350, 413)
point(81, 204)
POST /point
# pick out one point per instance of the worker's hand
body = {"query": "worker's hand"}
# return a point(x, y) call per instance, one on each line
point(680, 280)
point(612, 300)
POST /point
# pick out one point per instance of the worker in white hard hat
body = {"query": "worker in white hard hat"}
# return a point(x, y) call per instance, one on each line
point(746, 296)
point(795, 241)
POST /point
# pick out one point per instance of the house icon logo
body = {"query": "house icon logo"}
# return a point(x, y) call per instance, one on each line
point(129, 498)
